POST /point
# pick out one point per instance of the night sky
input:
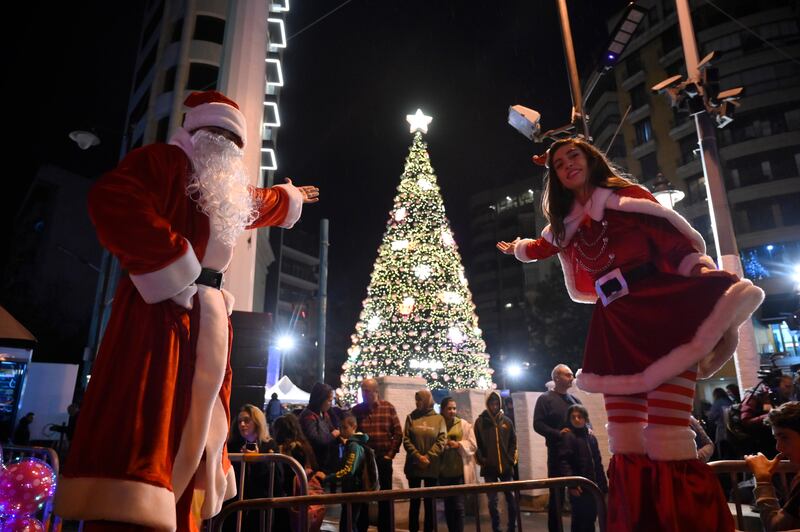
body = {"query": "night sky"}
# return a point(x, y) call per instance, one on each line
point(350, 80)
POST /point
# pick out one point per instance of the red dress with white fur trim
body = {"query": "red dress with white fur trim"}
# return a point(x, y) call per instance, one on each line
point(669, 321)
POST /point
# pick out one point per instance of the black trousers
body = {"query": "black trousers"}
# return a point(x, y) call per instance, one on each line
point(453, 506)
point(385, 482)
point(556, 505)
point(413, 505)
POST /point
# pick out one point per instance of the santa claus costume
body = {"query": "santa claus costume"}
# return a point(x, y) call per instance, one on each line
point(155, 416)
point(655, 329)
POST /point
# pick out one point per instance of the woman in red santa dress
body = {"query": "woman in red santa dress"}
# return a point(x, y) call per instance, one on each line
point(663, 317)
point(156, 414)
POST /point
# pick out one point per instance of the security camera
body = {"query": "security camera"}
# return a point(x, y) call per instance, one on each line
point(669, 83)
point(706, 61)
point(526, 121)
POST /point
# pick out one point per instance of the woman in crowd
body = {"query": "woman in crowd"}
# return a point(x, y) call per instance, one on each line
point(424, 438)
point(292, 442)
point(251, 435)
point(457, 463)
point(722, 403)
point(642, 265)
point(321, 428)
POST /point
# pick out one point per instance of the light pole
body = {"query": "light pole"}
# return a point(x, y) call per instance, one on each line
point(746, 358)
point(665, 193)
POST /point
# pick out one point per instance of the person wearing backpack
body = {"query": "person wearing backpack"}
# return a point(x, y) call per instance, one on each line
point(457, 465)
point(358, 470)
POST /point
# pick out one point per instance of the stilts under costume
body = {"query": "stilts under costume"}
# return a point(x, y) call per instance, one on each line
point(655, 330)
point(155, 417)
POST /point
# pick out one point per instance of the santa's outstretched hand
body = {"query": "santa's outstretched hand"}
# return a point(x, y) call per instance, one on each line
point(310, 192)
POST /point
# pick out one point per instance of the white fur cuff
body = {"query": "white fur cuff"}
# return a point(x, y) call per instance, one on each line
point(520, 250)
point(170, 280)
point(693, 259)
point(295, 205)
point(665, 442)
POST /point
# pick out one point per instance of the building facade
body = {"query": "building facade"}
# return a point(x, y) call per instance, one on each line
point(758, 46)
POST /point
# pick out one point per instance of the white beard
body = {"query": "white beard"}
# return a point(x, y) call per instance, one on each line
point(219, 185)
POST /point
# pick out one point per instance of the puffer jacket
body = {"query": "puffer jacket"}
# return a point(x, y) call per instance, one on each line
point(497, 442)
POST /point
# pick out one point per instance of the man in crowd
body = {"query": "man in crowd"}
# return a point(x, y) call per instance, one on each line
point(785, 423)
point(378, 419)
point(756, 408)
point(155, 416)
point(549, 420)
point(497, 455)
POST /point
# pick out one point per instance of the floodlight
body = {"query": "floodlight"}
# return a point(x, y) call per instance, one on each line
point(669, 83)
point(623, 33)
point(526, 121)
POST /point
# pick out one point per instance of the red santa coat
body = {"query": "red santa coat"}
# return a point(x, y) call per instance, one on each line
point(669, 321)
point(156, 411)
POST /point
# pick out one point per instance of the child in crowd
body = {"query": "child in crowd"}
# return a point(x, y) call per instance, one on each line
point(351, 471)
point(579, 455)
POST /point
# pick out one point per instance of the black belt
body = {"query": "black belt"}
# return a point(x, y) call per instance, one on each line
point(615, 283)
point(210, 277)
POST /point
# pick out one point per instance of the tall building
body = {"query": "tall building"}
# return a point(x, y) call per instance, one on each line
point(498, 283)
point(759, 150)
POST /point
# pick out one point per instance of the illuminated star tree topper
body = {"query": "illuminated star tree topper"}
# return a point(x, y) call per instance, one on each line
point(418, 318)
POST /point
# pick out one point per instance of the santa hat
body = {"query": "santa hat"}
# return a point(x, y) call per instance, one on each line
point(212, 108)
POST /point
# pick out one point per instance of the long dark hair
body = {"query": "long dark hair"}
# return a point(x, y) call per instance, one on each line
point(557, 200)
point(291, 441)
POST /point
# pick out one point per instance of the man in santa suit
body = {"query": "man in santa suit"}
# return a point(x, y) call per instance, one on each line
point(156, 414)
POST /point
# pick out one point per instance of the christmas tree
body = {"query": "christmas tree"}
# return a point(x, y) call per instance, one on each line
point(418, 318)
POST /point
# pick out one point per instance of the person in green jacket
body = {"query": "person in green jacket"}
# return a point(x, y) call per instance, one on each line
point(351, 470)
point(424, 439)
point(456, 465)
point(497, 455)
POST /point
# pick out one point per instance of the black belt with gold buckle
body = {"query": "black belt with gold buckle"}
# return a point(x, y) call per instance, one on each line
point(209, 277)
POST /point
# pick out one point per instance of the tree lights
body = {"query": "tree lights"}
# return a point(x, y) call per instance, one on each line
point(418, 318)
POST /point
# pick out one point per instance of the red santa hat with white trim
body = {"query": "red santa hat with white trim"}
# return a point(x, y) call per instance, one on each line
point(212, 108)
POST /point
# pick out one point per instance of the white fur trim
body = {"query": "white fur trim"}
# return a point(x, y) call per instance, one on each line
point(219, 115)
point(712, 345)
point(520, 250)
point(201, 427)
point(625, 438)
point(594, 208)
point(230, 301)
point(183, 139)
point(185, 297)
point(295, 205)
point(217, 484)
point(667, 442)
point(107, 499)
point(693, 259)
point(170, 280)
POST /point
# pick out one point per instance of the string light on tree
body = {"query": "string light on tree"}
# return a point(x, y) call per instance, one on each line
point(418, 318)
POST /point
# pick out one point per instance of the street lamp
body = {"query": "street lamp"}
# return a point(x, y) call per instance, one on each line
point(84, 139)
point(665, 193)
point(285, 342)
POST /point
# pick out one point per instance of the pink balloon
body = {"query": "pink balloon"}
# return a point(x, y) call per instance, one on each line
point(23, 524)
point(25, 485)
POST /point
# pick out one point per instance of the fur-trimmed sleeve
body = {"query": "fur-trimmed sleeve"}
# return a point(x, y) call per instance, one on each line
point(529, 250)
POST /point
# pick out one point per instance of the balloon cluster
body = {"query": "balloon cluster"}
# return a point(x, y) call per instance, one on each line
point(25, 486)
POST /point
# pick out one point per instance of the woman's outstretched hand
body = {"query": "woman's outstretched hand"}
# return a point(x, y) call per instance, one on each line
point(507, 248)
point(310, 192)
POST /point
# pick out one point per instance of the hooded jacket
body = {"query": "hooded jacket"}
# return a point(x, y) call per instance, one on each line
point(351, 468)
point(425, 434)
point(579, 455)
point(497, 441)
point(317, 427)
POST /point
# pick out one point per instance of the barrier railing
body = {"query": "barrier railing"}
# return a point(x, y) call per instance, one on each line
point(733, 468)
point(436, 492)
point(271, 459)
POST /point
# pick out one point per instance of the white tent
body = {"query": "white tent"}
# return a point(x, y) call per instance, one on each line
point(287, 392)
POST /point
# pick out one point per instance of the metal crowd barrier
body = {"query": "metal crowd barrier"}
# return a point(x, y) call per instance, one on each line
point(435, 492)
point(736, 468)
point(265, 515)
point(48, 455)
